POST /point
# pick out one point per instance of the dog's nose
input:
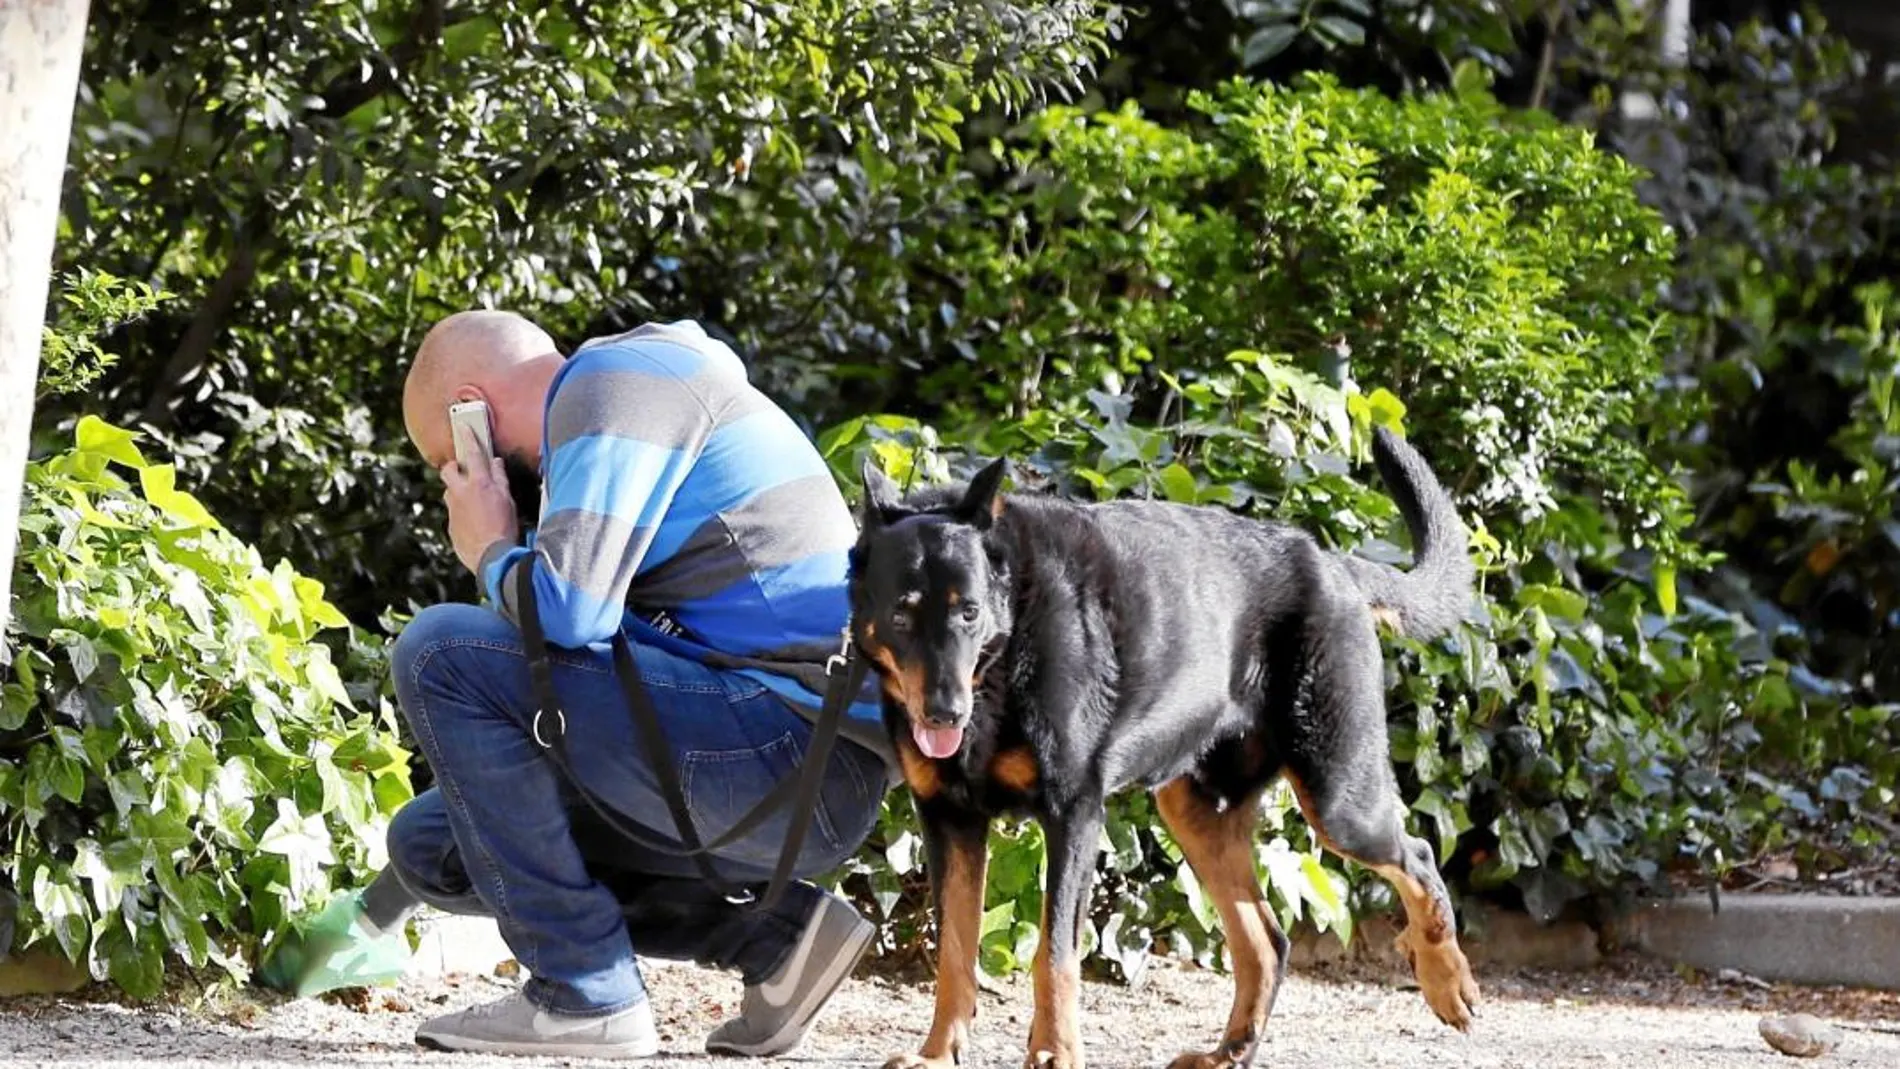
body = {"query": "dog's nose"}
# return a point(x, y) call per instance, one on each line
point(946, 716)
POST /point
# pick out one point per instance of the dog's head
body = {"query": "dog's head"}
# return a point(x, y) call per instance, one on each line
point(930, 598)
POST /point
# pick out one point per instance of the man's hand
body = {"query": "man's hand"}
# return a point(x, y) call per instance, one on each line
point(480, 510)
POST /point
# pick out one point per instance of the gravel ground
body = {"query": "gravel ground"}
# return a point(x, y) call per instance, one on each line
point(1339, 1016)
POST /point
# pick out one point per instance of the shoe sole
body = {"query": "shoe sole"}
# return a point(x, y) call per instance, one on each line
point(793, 1030)
point(548, 1049)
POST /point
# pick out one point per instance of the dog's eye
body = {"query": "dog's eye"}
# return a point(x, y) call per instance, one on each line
point(971, 610)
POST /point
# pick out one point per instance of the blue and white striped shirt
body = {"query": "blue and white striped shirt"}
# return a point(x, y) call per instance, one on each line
point(673, 488)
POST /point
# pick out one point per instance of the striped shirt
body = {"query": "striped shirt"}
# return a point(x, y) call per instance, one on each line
point(672, 489)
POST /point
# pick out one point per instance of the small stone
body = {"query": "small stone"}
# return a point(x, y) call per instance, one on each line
point(1800, 1035)
point(508, 970)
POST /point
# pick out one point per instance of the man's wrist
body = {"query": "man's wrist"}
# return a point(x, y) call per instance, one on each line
point(492, 555)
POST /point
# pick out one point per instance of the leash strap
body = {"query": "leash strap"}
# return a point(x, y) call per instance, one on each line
point(844, 669)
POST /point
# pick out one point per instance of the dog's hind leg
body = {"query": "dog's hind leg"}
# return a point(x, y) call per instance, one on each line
point(1219, 845)
point(1055, 1035)
point(957, 852)
point(1343, 778)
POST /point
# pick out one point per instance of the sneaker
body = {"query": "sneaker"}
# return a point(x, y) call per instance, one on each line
point(513, 1025)
point(774, 1015)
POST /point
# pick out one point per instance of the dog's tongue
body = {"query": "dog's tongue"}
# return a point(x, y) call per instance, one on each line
point(936, 742)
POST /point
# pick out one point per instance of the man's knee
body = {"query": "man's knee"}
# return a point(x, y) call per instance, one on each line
point(438, 628)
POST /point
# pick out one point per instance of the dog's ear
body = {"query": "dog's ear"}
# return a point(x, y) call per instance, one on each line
point(982, 503)
point(880, 494)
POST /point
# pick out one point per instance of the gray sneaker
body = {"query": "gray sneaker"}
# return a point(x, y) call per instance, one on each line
point(774, 1015)
point(513, 1025)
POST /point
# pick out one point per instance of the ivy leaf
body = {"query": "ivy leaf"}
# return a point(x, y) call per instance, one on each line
point(186, 934)
point(902, 853)
point(1513, 847)
point(304, 843)
point(94, 435)
point(68, 778)
point(16, 704)
point(59, 902)
point(81, 652)
point(137, 966)
point(128, 790)
point(160, 485)
point(1197, 902)
point(324, 679)
point(1178, 484)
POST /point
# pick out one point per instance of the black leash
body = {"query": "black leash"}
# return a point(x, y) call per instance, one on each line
point(844, 669)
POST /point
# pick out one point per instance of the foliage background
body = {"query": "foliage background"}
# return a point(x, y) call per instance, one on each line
point(1630, 303)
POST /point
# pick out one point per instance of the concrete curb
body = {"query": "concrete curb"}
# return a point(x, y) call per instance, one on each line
point(451, 944)
point(1793, 938)
point(1823, 940)
point(1492, 938)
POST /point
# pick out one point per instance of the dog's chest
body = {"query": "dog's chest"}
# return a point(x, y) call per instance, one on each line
point(992, 780)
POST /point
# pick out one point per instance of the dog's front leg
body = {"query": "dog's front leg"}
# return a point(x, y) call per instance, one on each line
point(956, 846)
point(1055, 1035)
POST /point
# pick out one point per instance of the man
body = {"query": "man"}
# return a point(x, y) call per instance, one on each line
point(678, 504)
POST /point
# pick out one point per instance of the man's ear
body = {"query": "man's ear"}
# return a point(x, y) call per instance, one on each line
point(880, 494)
point(982, 503)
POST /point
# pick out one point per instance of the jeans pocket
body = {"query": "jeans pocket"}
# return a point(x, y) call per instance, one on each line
point(722, 786)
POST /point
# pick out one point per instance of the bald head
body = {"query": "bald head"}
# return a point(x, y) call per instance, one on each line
point(493, 356)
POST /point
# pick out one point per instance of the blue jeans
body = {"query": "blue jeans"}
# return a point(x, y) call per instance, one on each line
point(502, 833)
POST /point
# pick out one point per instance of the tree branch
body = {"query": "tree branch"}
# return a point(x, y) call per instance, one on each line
point(1547, 61)
point(344, 95)
point(195, 347)
point(254, 239)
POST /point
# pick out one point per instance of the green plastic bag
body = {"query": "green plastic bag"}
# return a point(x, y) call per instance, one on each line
point(338, 948)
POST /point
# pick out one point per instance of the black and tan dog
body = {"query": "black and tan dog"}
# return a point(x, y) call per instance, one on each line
point(1038, 655)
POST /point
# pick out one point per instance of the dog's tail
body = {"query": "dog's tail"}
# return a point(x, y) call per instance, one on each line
point(1430, 599)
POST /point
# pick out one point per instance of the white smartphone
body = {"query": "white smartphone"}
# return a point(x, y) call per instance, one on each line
point(474, 442)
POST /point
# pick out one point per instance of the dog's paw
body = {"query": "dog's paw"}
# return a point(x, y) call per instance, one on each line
point(1042, 1058)
point(918, 1061)
point(1444, 976)
point(1212, 1060)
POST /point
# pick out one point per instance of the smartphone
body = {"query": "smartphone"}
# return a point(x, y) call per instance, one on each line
point(474, 442)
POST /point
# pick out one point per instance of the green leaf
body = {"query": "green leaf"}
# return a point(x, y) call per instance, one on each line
point(81, 652)
point(1665, 579)
point(304, 843)
point(1555, 601)
point(324, 679)
point(1387, 410)
point(1178, 484)
point(128, 790)
point(68, 777)
point(137, 967)
point(902, 853)
point(94, 435)
point(1341, 29)
point(1513, 847)
point(186, 934)
point(57, 899)
point(1320, 891)
point(839, 436)
point(1197, 902)
point(1267, 42)
point(159, 483)
point(16, 704)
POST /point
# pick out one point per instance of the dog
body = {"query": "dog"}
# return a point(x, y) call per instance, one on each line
point(1037, 656)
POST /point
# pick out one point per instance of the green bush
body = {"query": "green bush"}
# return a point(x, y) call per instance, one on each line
point(1218, 314)
point(182, 768)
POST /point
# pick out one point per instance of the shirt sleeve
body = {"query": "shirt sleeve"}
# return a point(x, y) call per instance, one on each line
point(620, 445)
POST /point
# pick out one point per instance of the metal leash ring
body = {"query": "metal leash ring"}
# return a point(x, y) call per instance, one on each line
point(561, 727)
